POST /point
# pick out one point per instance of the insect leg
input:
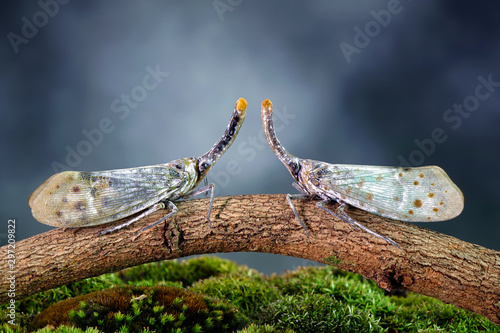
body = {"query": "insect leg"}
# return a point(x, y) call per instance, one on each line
point(152, 209)
point(205, 181)
point(289, 198)
point(209, 187)
point(172, 206)
point(346, 218)
point(300, 188)
point(320, 205)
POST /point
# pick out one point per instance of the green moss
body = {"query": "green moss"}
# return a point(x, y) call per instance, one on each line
point(319, 299)
point(248, 291)
point(264, 329)
point(167, 273)
point(64, 329)
point(413, 313)
point(184, 273)
point(318, 313)
point(332, 261)
point(310, 278)
point(108, 310)
point(10, 329)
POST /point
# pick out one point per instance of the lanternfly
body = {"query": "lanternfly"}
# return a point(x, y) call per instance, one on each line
point(81, 199)
point(423, 194)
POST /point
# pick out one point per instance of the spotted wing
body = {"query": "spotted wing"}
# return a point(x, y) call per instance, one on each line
point(79, 199)
point(423, 194)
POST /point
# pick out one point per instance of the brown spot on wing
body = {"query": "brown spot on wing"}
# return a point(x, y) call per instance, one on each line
point(435, 209)
point(415, 182)
point(75, 189)
point(80, 205)
point(369, 196)
point(417, 203)
point(431, 195)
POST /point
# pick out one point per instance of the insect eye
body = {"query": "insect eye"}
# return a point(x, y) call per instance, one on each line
point(204, 166)
point(178, 166)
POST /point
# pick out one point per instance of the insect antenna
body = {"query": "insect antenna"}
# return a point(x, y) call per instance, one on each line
point(206, 161)
point(291, 162)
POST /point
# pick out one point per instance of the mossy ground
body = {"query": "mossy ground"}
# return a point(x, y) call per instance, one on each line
point(207, 294)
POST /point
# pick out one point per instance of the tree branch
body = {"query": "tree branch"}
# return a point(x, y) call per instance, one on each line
point(428, 262)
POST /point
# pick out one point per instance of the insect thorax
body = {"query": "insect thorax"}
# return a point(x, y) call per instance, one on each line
point(184, 168)
point(306, 178)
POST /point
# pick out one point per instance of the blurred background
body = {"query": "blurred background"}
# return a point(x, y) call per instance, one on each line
point(104, 85)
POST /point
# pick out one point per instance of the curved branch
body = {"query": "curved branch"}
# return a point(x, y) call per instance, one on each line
point(428, 262)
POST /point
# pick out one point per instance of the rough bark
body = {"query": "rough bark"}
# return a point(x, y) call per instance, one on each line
point(429, 263)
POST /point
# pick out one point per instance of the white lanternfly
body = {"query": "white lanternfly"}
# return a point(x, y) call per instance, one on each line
point(423, 194)
point(81, 199)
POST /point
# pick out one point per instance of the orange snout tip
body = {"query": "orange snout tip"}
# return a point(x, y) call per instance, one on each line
point(241, 104)
point(267, 105)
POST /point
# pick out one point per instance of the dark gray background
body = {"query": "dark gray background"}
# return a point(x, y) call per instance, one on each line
point(396, 90)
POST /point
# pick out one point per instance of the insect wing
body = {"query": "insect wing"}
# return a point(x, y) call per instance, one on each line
point(78, 199)
point(423, 194)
